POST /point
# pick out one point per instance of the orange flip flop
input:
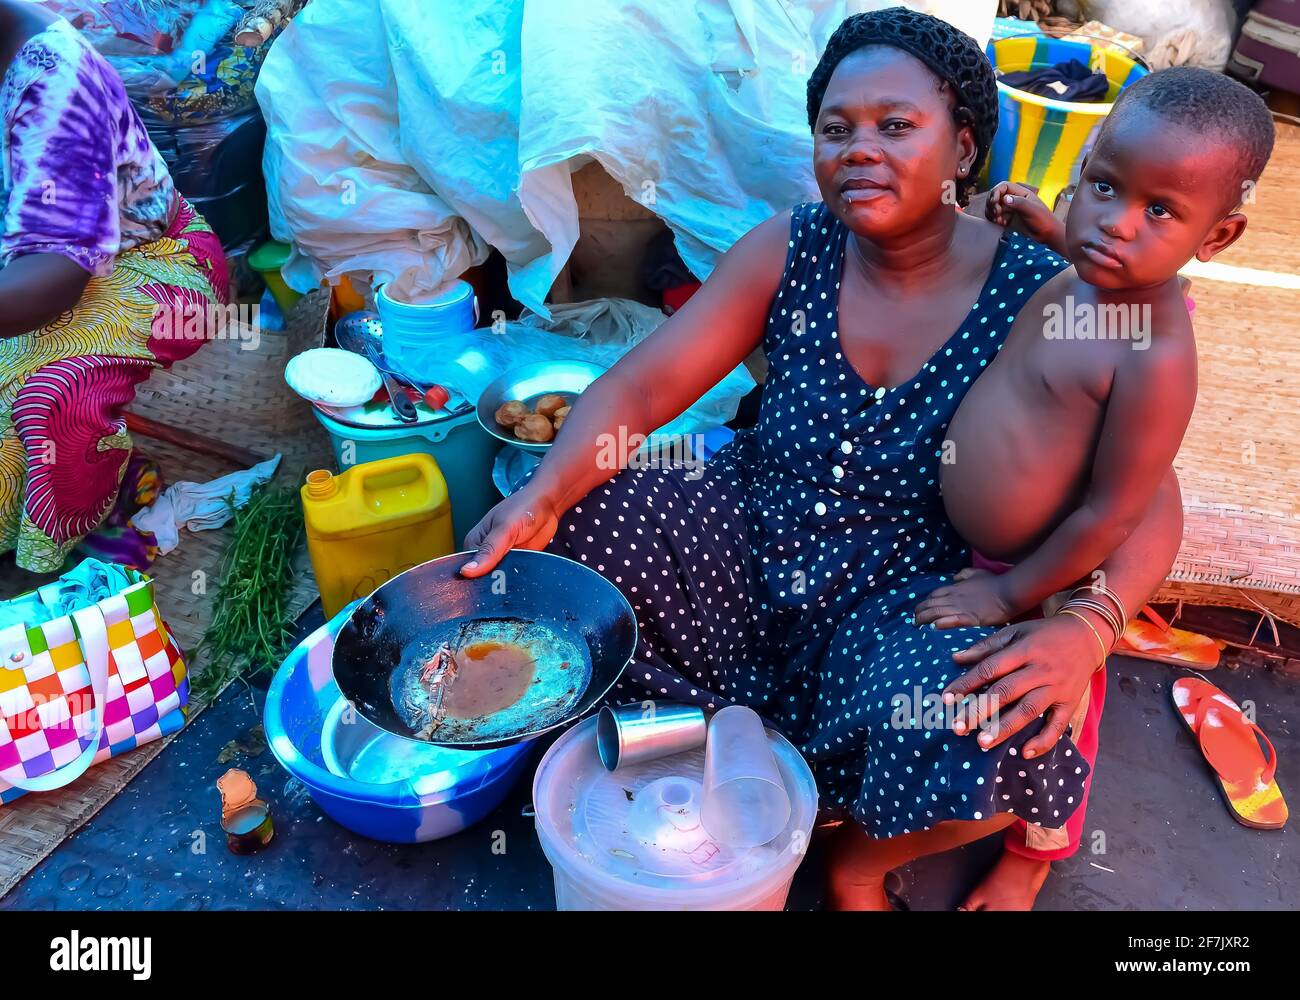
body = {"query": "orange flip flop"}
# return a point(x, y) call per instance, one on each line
point(1231, 745)
point(1157, 640)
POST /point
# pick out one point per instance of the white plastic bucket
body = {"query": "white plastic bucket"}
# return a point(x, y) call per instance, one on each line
point(413, 332)
point(592, 828)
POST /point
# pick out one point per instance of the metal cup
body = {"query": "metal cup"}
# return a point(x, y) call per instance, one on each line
point(646, 730)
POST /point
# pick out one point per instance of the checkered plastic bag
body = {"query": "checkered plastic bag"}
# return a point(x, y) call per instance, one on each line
point(79, 689)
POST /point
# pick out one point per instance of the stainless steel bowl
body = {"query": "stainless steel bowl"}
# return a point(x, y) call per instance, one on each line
point(527, 384)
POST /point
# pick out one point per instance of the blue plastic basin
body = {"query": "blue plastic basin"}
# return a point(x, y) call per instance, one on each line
point(435, 792)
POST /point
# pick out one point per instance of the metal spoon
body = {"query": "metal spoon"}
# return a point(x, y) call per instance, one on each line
point(361, 327)
point(352, 335)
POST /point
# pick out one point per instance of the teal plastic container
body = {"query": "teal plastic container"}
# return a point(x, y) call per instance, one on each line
point(415, 335)
point(463, 450)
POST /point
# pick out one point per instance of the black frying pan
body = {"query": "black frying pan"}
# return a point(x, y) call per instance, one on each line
point(577, 629)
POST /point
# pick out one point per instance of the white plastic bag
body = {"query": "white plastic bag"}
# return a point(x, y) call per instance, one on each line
point(1188, 33)
point(405, 136)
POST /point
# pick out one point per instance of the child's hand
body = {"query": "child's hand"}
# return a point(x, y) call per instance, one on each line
point(974, 598)
point(1018, 207)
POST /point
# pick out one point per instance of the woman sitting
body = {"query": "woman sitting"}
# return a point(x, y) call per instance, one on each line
point(105, 275)
point(787, 576)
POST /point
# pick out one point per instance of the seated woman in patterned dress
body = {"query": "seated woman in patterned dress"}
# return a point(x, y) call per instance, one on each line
point(102, 265)
point(786, 576)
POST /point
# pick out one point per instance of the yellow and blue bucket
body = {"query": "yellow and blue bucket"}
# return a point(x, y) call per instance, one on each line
point(1040, 141)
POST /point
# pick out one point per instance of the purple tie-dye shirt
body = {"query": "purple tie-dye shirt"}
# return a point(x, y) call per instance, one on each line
point(79, 175)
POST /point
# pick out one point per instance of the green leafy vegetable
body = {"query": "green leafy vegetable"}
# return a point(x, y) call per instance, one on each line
point(252, 629)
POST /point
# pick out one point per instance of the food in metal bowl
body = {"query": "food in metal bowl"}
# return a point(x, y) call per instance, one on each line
point(548, 404)
point(509, 414)
point(538, 425)
point(534, 427)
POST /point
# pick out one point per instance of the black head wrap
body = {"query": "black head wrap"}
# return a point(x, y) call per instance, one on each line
point(950, 54)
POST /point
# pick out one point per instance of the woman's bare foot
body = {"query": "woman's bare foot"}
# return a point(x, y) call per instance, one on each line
point(1011, 884)
point(855, 875)
point(858, 864)
point(852, 890)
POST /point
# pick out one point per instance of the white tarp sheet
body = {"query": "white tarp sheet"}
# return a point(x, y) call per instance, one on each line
point(406, 136)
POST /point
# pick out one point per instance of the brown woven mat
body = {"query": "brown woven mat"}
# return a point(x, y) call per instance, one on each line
point(1238, 466)
point(236, 396)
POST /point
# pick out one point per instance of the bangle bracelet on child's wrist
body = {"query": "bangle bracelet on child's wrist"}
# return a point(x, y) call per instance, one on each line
point(1091, 628)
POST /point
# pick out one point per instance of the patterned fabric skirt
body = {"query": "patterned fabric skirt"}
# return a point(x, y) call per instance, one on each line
point(64, 388)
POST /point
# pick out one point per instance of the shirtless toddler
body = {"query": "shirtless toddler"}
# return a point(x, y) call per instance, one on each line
point(1060, 445)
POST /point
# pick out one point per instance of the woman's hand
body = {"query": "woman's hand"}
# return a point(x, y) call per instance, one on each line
point(527, 519)
point(36, 289)
point(1025, 671)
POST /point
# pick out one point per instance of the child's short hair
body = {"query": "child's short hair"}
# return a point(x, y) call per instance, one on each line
point(1208, 104)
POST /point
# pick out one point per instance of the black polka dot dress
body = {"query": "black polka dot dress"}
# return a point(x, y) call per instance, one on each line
point(783, 574)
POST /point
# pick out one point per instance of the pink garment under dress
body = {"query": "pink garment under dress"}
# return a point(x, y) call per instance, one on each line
point(1054, 845)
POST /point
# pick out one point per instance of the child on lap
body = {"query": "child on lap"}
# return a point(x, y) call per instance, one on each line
point(1061, 444)
point(1059, 447)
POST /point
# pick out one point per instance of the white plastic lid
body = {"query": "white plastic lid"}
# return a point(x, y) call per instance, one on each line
point(447, 294)
point(634, 836)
